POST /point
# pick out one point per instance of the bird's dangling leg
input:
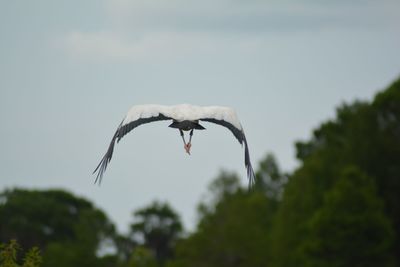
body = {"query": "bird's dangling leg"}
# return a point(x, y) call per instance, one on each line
point(183, 137)
point(185, 146)
point(189, 144)
point(191, 134)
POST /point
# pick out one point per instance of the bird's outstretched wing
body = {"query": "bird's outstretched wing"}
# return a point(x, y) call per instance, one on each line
point(125, 127)
point(141, 114)
point(240, 136)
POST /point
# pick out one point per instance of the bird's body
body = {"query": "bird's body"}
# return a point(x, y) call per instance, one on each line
point(185, 118)
point(186, 125)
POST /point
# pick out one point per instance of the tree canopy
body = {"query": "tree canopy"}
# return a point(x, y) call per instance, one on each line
point(68, 229)
point(157, 227)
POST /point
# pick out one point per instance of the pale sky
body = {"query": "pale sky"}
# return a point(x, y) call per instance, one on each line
point(70, 70)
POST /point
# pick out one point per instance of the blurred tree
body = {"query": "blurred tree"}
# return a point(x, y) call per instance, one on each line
point(350, 229)
point(142, 257)
point(232, 231)
point(125, 246)
point(224, 186)
point(9, 253)
point(270, 179)
point(157, 227)
point(68, 229)
point(365, 135)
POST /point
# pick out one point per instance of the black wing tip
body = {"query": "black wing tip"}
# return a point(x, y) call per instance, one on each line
point(100, 169)
point(98, 181)
point(122, 130)
point(102, 166)
point(247, 162)
point(251, 176)
point(99, 177)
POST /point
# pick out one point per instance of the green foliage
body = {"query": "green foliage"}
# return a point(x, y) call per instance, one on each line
point(9, 253)
point(158, 227)
point(365, 135)
point(270, 179)
point(233, 231)
point(68, 229)
point(142, 257)
point(350, 229)
point(32, 258)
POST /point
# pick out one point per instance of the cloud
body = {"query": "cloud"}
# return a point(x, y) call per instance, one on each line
point(247, 16)
point(145, 30)
point(103, 46)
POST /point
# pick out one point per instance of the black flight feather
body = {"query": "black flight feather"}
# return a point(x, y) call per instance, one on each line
point(239, 134)
point(122, 130)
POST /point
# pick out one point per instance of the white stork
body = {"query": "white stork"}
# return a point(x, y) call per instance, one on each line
point(185, 118)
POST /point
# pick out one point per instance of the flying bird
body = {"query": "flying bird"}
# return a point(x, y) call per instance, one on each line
point(184, 118)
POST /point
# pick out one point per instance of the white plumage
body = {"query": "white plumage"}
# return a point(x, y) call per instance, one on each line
point(183, 112)
point(185, 117)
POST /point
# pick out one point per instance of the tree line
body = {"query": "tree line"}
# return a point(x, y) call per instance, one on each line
point(340, 207)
